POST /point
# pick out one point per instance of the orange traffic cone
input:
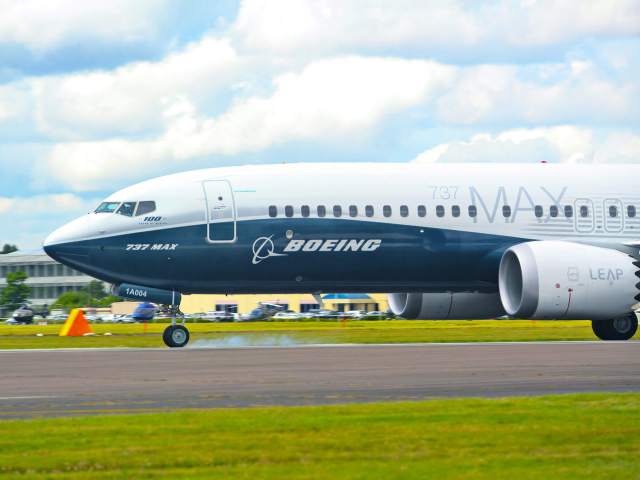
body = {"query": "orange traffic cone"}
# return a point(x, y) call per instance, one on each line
point(76, 325)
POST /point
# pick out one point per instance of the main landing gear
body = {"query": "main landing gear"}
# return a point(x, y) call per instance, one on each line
point(175, 336)
point(621, 328)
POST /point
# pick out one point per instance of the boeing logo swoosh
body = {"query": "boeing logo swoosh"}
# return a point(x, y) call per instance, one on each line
point(264, 248)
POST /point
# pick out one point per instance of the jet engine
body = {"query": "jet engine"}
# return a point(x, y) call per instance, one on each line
point(564, 280)
point(445, 306)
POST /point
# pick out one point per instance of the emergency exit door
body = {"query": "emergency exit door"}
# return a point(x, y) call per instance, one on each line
point(221, 214)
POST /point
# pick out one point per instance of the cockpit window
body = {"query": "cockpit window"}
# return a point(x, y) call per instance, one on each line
point(127, 209)
point(107, 207)
point(145, 207)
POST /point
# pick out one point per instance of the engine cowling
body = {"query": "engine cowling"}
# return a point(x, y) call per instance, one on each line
point(564, 280)
point(445, 306)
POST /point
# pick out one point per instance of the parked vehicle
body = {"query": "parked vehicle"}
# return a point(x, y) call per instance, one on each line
point(288, 315)
point(356, 313)
point(376, 315)
point(219, 316)
point(327, 314)
point(144, 312)
point(262, 312)
point(23, 315)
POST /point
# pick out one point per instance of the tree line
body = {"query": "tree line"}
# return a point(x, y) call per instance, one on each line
point(16, 293)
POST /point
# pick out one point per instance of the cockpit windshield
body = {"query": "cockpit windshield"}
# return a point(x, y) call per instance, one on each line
point(107, 207)
point(145, 207)
point(127, 209)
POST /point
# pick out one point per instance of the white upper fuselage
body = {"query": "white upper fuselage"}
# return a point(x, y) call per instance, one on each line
point(595, 203)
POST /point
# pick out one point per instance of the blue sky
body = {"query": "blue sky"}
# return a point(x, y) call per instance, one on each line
point(95, 96)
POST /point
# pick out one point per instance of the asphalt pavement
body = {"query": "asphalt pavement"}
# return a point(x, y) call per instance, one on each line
point(88, 381)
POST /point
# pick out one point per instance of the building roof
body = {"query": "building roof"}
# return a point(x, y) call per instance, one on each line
point(346, 296)
point(26, 256)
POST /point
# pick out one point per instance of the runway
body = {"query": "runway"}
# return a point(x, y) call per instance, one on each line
point(86, 381)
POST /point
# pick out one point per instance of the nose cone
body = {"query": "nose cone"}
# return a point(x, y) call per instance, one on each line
point(63, 244)
point(73, 231)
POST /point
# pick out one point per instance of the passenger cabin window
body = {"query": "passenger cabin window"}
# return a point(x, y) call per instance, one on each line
point(145, 207)
point(368, 211)
point(440, 211)
point(273, 211)
point(422, 211)
point(631, 211)
point(455, 210)
point(288, 211)
point(613, 211)
point(107, 207)
point(584, 211)
point(304, 210)
point(553, 211)
point(337, 211)
point(538, 211)
point(322, 211)
point(506, 211)
point(353, 211)
point(404, 211)
point(386, 211)
point(127, 209)
point(473, 211)
point(568, 211)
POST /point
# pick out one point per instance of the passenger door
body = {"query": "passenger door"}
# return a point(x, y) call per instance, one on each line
point(221, 212)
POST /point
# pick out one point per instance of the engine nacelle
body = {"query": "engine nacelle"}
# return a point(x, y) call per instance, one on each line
point(564, 280)
point(445, 306)
point(146, 294)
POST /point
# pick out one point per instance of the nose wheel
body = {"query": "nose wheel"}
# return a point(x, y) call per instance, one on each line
point(175, 336)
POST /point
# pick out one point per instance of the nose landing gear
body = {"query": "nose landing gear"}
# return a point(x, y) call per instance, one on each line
point(175, 336)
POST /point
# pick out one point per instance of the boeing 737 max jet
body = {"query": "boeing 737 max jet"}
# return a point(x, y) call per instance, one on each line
point(536, 241)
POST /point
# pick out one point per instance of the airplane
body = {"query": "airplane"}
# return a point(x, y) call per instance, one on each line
point(444, 241)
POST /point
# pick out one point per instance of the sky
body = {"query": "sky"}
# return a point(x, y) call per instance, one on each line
point(95, 96)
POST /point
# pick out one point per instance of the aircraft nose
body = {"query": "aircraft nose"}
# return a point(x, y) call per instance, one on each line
point(63, 241)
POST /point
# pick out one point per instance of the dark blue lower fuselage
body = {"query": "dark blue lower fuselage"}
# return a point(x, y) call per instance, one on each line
point(409, 258)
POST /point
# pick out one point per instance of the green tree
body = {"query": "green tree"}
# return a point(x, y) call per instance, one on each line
point(16, 292)
point(95, 289)
point(8, 248)
point(107, 301)
point(81, 298)
point(70, 300)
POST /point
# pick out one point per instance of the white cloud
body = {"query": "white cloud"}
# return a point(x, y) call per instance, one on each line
point(54, 204)
point(131, 99)
point(329, 99)
point(14, 101)
point(561, 144)
point(308, 27)
point(45, 25)
point(619, 147)
point(26, 221)
point(555, 93)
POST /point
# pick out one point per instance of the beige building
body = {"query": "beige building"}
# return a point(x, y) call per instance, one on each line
point(342, 302)
point(47, 279)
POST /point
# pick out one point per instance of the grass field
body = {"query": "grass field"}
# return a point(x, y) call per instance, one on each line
point(282, 333)
point(594, 436)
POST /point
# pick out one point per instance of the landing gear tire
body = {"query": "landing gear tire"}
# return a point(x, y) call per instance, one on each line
point(175, 336)
point(621, 328)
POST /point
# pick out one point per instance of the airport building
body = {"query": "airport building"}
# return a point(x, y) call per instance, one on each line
point(47, 278)
point(341, 302)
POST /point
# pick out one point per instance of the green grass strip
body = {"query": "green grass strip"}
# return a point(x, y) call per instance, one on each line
point(394, 331)
point(594, 436)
